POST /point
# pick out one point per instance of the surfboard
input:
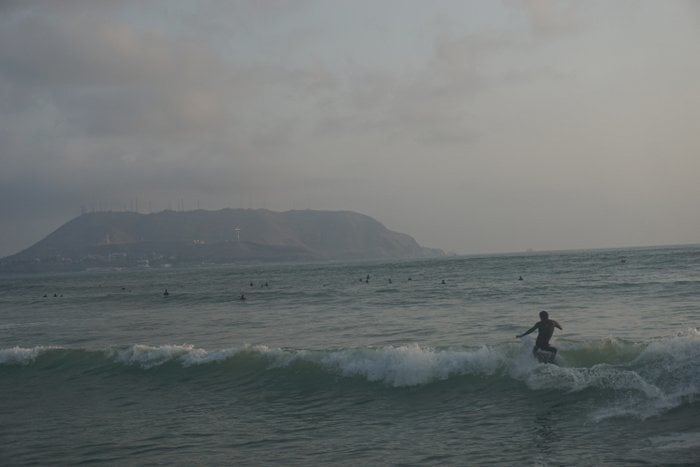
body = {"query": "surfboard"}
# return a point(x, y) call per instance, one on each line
point(544, 357)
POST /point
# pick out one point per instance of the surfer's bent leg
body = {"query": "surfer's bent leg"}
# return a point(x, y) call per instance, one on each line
point(549, 348)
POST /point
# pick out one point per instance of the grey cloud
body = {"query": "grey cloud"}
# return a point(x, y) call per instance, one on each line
point(231, 103)
point(430, 105)
point(107, 81)
point(550, 18)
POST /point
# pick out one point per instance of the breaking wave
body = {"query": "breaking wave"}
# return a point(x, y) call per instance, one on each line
point(635, 379)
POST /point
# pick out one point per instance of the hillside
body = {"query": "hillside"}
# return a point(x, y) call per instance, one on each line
point(128, 239)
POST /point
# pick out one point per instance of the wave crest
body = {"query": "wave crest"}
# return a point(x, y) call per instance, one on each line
point(412, 365)
point(639, 379)
point(21, 356)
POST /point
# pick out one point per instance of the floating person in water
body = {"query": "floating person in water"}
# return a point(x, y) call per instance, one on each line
point(545, 329)
point(165, 294)
point(242, 297)
point(520, 278)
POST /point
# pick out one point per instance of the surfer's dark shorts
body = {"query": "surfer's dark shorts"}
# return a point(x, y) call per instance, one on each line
point(545, 347)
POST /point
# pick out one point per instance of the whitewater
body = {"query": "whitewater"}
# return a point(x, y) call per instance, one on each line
point(347, 363)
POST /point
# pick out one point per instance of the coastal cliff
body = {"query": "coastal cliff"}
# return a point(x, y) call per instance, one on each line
point(129, 239)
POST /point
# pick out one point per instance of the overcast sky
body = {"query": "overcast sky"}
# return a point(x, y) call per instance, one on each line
point(474, 126)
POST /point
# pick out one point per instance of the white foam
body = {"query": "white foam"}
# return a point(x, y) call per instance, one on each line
point(685, 345)
point(601, 376)
point(668, 375)
point(148, 356)
point(280, 358)
point(21, 355)
point(676, 441)
point(635, 408)
point(200, 357)
point(411, 365)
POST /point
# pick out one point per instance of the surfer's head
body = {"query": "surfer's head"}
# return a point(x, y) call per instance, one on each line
point(544, 315)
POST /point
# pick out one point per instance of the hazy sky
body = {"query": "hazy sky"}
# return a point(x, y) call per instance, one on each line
point(474, 126)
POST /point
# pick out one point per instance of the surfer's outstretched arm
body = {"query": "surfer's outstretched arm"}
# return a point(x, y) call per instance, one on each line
point(527, 332)
point(557, 325)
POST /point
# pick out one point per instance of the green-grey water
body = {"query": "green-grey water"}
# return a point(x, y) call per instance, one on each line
point(377, 363)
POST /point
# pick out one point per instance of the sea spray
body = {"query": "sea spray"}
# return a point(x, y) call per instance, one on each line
point(411, 365)
point(21, 356)
point(150, 356)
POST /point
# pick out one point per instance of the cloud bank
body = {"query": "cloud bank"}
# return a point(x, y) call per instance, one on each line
point(473, 126)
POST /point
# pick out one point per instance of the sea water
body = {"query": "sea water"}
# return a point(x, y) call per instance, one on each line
point(356, 363)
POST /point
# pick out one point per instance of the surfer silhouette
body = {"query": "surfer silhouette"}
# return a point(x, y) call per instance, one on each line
point(545, 329)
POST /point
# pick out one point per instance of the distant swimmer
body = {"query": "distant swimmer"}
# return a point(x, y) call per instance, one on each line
point(165, 294)
point(545, 329)
point(443, 281)
point(520, 278)
point(242, 297)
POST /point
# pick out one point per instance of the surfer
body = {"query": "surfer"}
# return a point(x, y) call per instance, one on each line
point(545, 329)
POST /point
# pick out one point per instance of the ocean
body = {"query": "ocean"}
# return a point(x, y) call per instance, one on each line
point(411, 362)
